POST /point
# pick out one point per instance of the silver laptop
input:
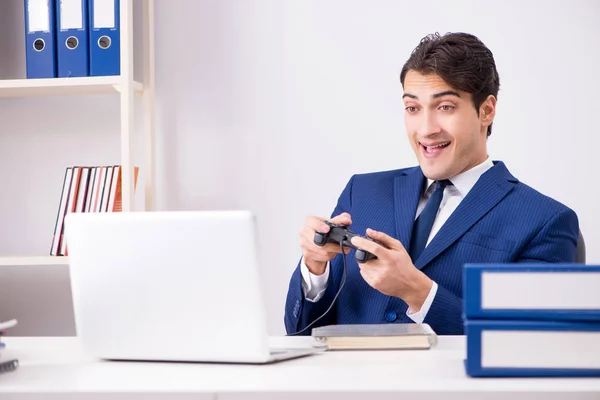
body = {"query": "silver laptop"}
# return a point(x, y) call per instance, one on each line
point(170, 286)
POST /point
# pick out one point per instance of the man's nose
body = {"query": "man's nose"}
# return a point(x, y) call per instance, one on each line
point(429, 125)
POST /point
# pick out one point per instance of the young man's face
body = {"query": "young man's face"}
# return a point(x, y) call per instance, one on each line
point(443, 127)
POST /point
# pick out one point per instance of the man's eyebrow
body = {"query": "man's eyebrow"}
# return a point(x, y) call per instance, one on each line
point(435, 96)
point(446, 93)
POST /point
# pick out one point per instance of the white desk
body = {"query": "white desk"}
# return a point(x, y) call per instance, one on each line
point(57, 368)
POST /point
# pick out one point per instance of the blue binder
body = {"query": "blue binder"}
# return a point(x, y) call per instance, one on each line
point(105, 46)
point(584, 363)
point(40, 39)
point(72, 38)
point(473, 292)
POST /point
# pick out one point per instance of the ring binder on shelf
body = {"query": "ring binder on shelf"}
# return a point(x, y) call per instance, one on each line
point(72, 53)
point(40, 39)
point(105, 47)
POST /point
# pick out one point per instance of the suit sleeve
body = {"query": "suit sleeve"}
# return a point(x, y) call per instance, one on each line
point(445, 314)
point(556, 242)
point(300, 312)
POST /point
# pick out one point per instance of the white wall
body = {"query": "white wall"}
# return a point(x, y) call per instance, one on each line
point(284, 102)
point(272, 105)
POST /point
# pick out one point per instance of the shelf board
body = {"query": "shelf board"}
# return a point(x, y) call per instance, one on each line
point(63, 86)
point(6, 261)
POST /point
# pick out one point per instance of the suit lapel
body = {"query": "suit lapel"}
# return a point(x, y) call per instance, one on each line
point(407, 192)
point(489, 190)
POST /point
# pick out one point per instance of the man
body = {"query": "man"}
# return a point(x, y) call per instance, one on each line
point(457, 206)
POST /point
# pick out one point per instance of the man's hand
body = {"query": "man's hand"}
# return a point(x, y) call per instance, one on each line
point(393, 272)
point(316, 257)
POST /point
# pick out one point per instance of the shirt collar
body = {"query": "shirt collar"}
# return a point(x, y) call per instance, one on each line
point(465, 181)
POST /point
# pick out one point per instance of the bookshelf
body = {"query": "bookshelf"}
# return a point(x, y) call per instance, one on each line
point(16, 88)
point(7, 261)
point(126, 88)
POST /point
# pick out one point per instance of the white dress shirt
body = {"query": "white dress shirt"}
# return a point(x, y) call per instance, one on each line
point(314, 285)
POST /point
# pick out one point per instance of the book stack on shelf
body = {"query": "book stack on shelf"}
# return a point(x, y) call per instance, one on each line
point(532, 320)
point(87, 189)
point(8, 364)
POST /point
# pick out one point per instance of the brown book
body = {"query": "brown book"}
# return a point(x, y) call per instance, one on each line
point(115, 203)
point(376, 336)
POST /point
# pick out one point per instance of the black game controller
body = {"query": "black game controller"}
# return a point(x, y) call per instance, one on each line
point(340, 234)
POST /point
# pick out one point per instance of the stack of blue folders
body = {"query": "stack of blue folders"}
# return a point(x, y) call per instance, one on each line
point(72, 38)
point(532, 320)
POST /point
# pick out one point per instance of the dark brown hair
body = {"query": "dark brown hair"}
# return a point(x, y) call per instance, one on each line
point(461, 60)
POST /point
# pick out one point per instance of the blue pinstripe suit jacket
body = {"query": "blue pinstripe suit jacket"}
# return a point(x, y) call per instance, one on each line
point(501, 220)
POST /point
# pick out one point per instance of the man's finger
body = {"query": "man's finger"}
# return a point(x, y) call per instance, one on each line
point(307, 232)
point(317, 225)
point(314, 256)
point(385, 239)
point(319, 256)
point(342, 219)
point(308, 245)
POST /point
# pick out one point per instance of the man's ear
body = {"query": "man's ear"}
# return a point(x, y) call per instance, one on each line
point(487, 111)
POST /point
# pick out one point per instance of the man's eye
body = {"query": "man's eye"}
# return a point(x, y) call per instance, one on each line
point(411, 109)
point(446, 107)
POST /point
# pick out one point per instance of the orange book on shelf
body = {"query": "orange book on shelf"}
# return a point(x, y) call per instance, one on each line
point(115, 202)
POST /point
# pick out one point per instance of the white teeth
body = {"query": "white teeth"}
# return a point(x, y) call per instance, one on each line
point(439, 145)
point(429, 148)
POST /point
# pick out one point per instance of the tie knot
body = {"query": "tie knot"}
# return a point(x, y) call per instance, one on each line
point(441, 185)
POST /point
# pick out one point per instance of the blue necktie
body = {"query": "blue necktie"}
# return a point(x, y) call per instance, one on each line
point(424, 223)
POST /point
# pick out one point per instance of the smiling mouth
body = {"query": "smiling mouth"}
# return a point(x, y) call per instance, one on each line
point(436, 148)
